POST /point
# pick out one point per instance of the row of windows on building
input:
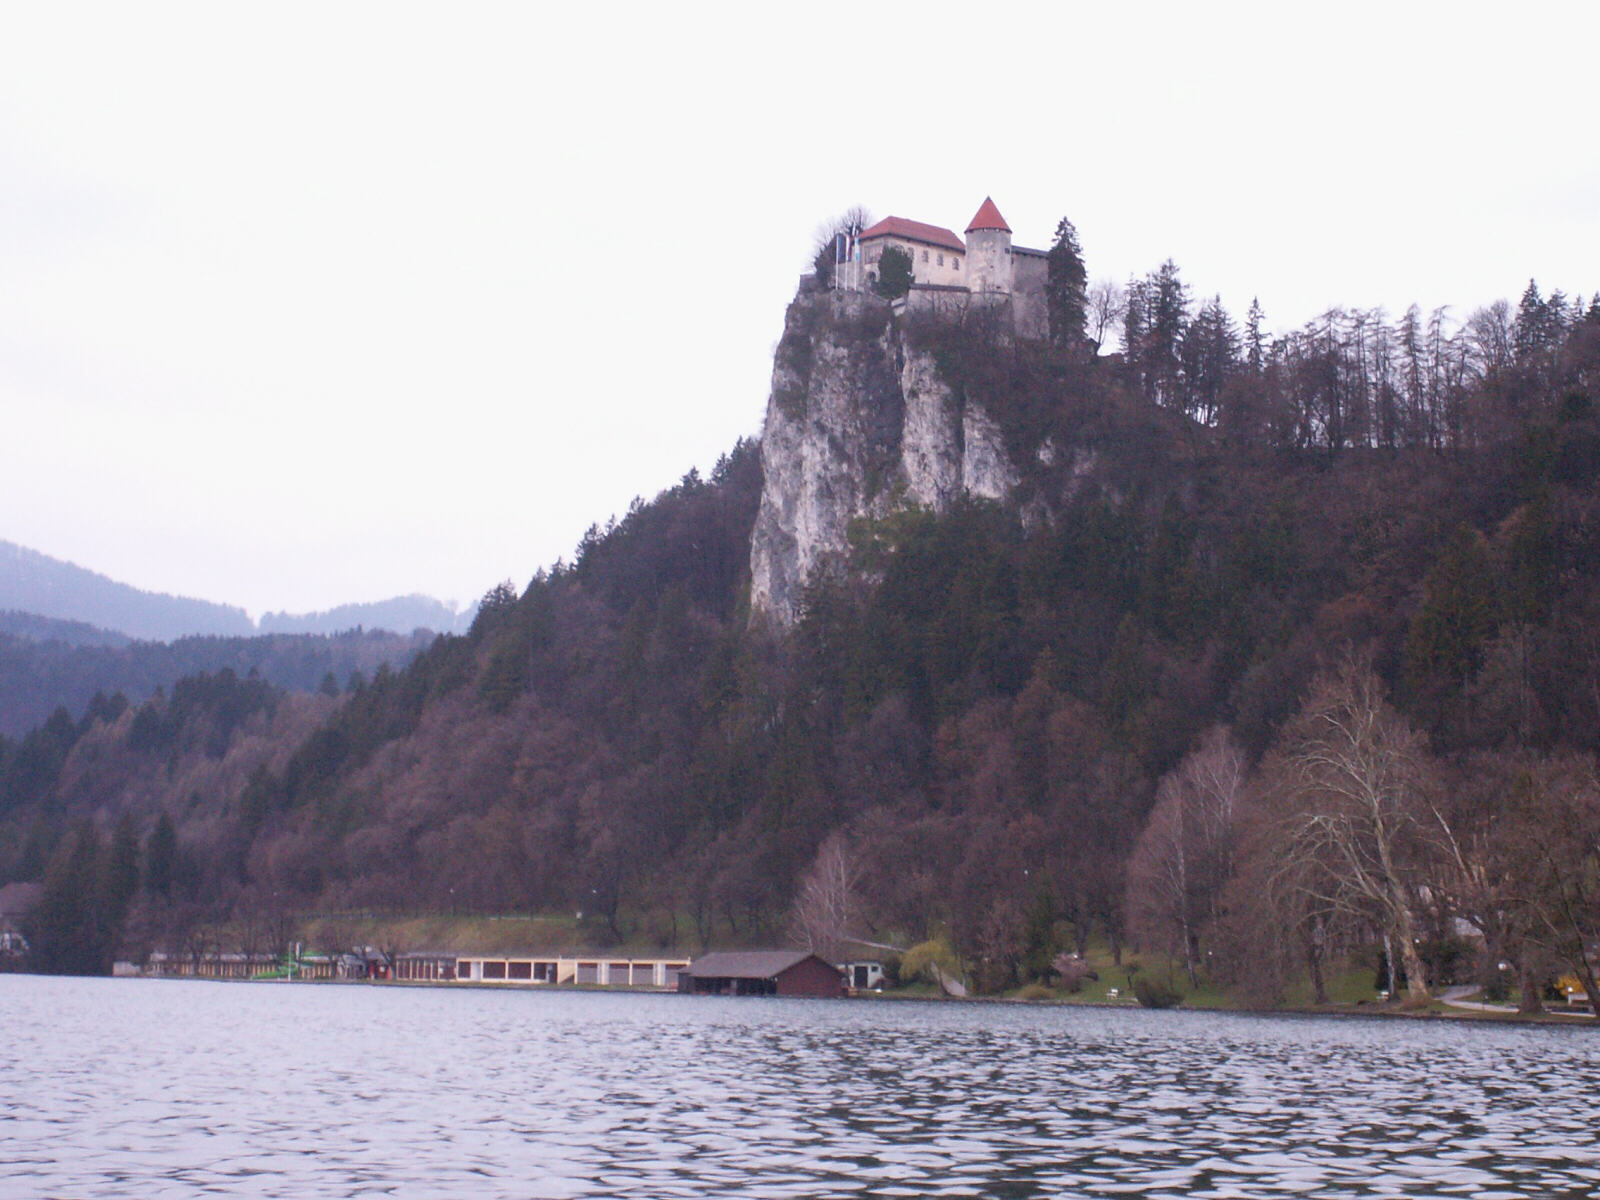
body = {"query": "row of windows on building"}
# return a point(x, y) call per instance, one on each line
point(876, 254)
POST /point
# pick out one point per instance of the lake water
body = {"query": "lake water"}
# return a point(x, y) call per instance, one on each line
point(175, 1088)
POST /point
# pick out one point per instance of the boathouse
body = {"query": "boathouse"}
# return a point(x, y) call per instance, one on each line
point(596, 970)
point(762, 973)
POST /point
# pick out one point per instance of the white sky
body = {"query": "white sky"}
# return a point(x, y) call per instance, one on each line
point(303, 304)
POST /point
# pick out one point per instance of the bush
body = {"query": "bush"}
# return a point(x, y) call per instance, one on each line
point(1073, 971)
point(919, 962)
point(894, 274)
point(891, 970)
point(1154, 994)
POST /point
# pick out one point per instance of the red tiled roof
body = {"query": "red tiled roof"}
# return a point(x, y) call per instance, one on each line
point(988, 217)
point(915, 231)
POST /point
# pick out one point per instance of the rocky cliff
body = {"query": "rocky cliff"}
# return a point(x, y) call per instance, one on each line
point(861, 421)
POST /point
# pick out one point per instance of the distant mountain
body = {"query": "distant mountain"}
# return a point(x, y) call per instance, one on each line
point(401, 614)
point(67, 633)
point(31, 582)
point(45, 599)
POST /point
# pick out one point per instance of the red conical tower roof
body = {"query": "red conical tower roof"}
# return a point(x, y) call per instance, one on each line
point(988, 217)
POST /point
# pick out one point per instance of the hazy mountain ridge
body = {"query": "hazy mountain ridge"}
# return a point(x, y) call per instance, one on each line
point(35, 584)
point(32, 582)
point(401, 614)
point(68, 633)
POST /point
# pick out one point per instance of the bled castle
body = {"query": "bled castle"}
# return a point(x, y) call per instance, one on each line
point(949, 274)
point(862, 419)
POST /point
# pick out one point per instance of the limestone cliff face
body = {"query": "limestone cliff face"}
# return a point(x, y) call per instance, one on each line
point(860, 422)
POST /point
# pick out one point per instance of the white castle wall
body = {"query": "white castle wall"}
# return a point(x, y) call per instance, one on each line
point(989, 260)
point(929, 264)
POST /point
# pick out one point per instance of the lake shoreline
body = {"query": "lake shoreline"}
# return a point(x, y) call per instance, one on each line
point(1363, 1011)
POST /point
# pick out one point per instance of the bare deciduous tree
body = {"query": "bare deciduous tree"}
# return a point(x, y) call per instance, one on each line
point(827, 907)
point(852, 222)
point(1108, 301)
point(1183, 857)
point(1359, 830)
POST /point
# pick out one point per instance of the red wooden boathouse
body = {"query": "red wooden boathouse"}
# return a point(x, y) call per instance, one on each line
point(761, 973)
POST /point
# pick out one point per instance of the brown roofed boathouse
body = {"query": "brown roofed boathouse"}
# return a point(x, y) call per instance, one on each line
point(762, 973)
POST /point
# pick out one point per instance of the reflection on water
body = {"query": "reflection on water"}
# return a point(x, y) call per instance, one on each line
point(154, 1088)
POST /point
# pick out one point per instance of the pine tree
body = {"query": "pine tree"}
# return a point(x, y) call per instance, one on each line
point(1460, 611)
point(1167, 319)
point(1538, 323)
point(1210, 356)
point(160, 857)
point(1066, 290)
point(116, 881)
point(1255, 354)
point(64, 933)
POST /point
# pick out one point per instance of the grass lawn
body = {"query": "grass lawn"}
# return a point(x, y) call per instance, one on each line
point(514, 933)
point(1351, 985)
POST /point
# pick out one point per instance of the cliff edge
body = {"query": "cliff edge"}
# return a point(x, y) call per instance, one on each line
point(860, 422)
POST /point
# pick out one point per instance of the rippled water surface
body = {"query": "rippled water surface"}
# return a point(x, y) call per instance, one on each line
point(158, 1088)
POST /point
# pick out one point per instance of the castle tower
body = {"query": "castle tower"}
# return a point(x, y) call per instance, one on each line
point(989, 250)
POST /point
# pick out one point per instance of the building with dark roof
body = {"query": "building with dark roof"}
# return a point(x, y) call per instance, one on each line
point(762, 973)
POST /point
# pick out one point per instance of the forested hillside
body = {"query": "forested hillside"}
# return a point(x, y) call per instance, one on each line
point(34, 628)
point(1245, 586)
point(42, 671)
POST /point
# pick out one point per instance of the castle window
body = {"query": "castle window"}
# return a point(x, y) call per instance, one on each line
point(957, 263)
point(924, 256)
point(941, 260)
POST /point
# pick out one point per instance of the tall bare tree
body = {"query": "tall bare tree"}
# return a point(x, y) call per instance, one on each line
point(1360, 830)
point(826, 909)
point(1108, 302)
point(1183, 857)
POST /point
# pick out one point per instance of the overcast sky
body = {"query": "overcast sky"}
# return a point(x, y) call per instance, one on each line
point(303, 304)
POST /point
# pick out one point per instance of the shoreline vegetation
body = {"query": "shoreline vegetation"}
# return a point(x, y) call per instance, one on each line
point(1105, 983)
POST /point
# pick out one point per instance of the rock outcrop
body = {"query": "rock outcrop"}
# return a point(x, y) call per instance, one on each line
point(861, 421)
